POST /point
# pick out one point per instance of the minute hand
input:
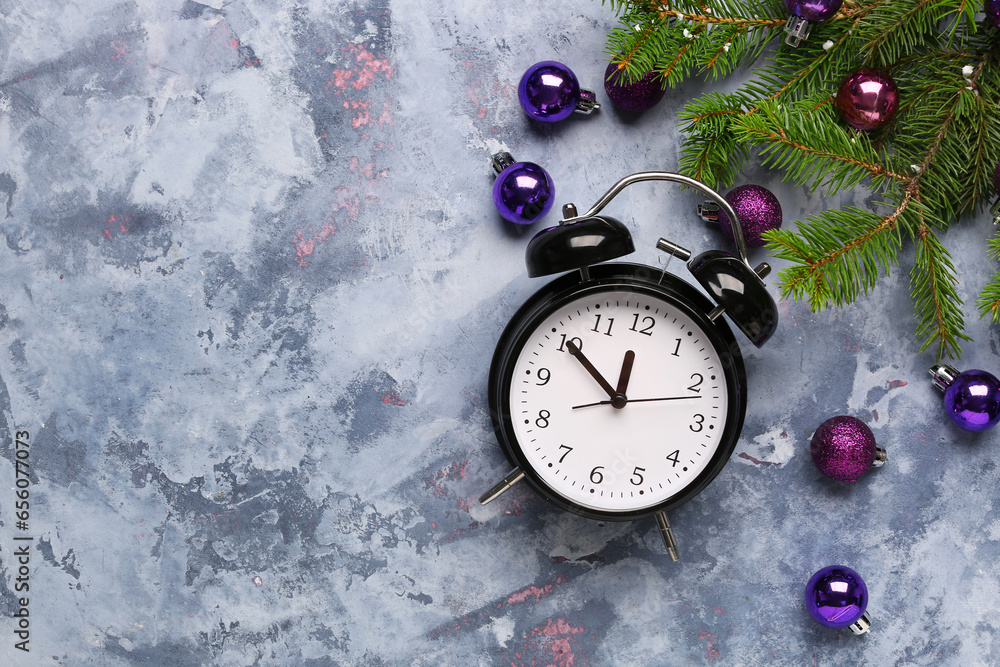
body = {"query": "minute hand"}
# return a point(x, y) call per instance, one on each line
point(575, 350)
point(639, 400)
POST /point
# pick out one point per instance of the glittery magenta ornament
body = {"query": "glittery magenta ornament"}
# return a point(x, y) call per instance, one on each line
point(992, 9)
point(523, 191)
point(804, 13)
point(758, 209)
point(867, 99)
point(971, 399)
point(636, 97)
point(837, 597)
point(549, 92)
point(844, 448)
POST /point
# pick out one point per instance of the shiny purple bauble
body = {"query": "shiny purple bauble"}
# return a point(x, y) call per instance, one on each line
point(844, 448)
point(972, 400)
point(523, 192)
point(814, 11)
point(636, 97)
point(868, 99)
point(758, 210)
point(992, 9)
point(836, 596)
point(548, 91)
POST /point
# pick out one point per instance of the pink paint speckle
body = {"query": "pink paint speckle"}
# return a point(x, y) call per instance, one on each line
point(711, 645)
point(556, 643)
point(369, 67)
point(530, 591)
point(896, 384)
point(305, 241)
point(392, 398)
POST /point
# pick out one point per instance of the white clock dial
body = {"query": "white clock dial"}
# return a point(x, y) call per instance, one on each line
point(584, 440)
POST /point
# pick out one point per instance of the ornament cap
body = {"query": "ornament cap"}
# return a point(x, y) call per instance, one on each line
point(708, 211)
point(942, 375)
point(881, 456)
point(501, 160)
point(797, 29)
point(862, 625)
point(587, 103)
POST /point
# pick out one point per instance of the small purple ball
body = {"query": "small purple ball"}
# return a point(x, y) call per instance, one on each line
point(836, 596)
point(814, 11)
point(996, 174)
point(843, 448)
point(548, 91)
point(992, 9)
point(972, 400)
point(758, 210)
point(636, 97)
point(523, 192)
point(868, 99)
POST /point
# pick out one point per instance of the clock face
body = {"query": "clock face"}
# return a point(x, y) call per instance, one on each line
point(619, 400)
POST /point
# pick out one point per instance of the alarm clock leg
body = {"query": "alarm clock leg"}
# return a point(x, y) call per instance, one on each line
point(509, 480)
point(668, 536)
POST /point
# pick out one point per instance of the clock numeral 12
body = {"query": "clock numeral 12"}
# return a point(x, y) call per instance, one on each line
point(648, 329)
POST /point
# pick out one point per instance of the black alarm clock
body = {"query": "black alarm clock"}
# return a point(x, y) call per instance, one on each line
point(618, 391)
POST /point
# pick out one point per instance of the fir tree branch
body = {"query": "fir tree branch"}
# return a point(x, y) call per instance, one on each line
point(935, 298)
point(933, 164)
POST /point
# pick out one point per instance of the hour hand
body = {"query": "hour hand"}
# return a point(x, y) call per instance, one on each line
point(578, 353)
point(626, 373)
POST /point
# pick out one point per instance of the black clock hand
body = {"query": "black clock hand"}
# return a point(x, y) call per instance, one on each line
point(637, 400)
point(626, 373)
point(578, 353)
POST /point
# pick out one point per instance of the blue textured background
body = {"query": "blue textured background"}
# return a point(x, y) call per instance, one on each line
point(251, 282)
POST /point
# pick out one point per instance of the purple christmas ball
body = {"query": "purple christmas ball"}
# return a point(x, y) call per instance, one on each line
point(992, 9)
point(868, 99)
point(836, 596)
point(844, 448)
point(548, 91)
point(523, 192)
point(636, 97)
point(814, 11)
point(972, 400)
point(758, 210)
